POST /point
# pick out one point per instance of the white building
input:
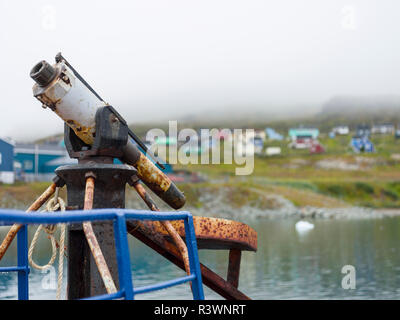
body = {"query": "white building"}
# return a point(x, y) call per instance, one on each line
point(341, 130)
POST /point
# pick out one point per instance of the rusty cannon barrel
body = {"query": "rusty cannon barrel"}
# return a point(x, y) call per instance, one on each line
point(60, 88)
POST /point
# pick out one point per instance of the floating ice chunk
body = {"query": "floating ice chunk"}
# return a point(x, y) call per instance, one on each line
point(303, 226)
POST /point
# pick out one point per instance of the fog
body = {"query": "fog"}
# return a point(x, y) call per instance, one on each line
point(165, 60)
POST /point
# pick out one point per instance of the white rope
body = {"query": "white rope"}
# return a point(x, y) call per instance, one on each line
point(52, 205)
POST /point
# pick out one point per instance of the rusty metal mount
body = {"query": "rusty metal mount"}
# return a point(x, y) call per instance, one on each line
point(110, 182)
point(84, 278)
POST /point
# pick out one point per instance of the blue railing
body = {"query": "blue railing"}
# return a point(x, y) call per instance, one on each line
point(119, 218)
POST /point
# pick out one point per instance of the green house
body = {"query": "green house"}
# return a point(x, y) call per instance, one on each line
point(301, 133)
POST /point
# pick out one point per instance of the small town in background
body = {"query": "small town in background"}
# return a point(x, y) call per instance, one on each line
point(28, 162)
point(332, 161)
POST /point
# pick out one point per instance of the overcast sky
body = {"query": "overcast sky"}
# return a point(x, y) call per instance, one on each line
point(167, 58)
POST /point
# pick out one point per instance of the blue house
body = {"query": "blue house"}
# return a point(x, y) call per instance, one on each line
point(362, 144)
point(361, 141)
point(38, 161)
point(6, 161)
point(273, 135)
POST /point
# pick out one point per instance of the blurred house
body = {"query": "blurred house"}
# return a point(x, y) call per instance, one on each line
point(223, 136)
point(260, 134)
point(167, 141)
point(273, 151)
point(37, 162)
point(7, 161)
point(186, 176)
point(316, 147)
point(341, 130)
point(363, 130)
point(273, 135)
point(258, 145)
point(362, 144)
point(397, 132)
point(302, 138)
point(360, 141)
point(386, 128)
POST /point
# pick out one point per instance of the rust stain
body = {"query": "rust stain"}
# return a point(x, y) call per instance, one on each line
point(85, 133)
point(153, 176)
point(214, 233)
point(89, 194)
point(51, 103)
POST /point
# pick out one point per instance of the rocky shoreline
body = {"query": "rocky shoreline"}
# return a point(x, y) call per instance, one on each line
point(282, 208)
point(221, 202)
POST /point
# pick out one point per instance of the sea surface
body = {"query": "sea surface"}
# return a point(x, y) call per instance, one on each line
point(287, 265)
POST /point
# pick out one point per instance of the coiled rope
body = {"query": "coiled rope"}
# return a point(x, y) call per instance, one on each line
point(54, 204)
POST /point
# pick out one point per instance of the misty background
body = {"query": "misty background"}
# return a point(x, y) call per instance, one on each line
point(158, 60)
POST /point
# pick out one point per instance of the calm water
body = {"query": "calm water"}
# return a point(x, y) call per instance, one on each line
point(286, 266)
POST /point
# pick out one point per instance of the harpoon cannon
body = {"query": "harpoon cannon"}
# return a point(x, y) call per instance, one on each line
point(62, 89)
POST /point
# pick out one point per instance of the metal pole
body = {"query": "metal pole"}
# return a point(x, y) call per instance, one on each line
point(235, 256)
point(36, 162)
point(92, 240)
point(180, 244)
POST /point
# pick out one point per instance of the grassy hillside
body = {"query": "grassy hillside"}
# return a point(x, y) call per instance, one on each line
point(336, 178)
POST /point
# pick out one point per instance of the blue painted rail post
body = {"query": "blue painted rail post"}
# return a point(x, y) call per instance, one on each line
point(123, 257)
point(191, 244)
point(22, 262)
